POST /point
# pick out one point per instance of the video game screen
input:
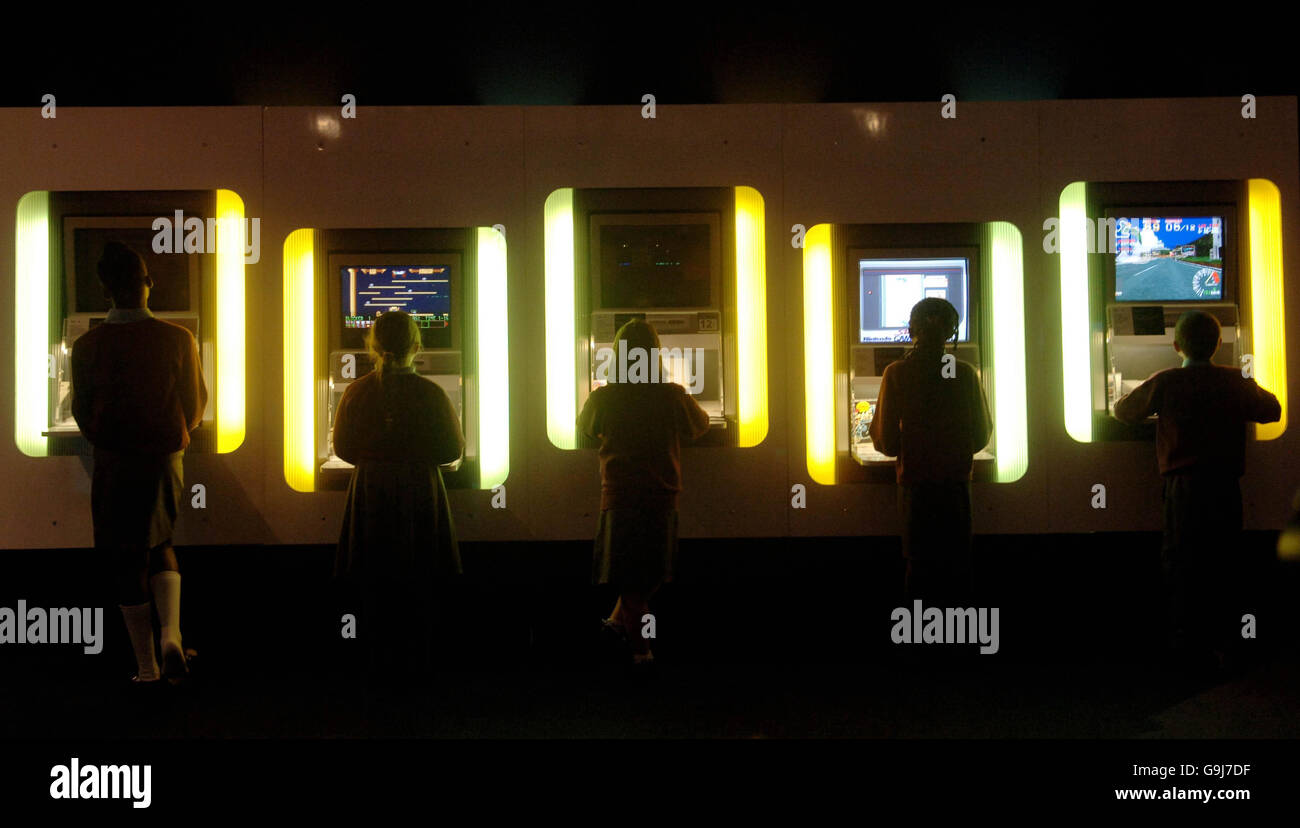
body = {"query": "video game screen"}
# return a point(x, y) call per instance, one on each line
point(655, 266)
point(1169, 259)
point(890, 287)
point(423, 291)
point(170, 272)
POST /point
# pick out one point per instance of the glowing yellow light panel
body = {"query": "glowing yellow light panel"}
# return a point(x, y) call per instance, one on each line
point(31, 324)
point(1010, 416)
point(561, 366)
point(493, 360)
point(819, 354)
point(751, 317)
point(1076, 361)
point(299, 361)
point(230, 321)
point(1266, 296)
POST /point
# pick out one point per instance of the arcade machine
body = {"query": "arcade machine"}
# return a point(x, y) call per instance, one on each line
point(689, 262)
point(1159, 251)
point(452, 282)
point(198, 284)
point(861, 282)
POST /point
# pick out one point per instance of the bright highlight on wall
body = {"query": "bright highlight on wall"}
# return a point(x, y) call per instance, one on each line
point(1007, 349)
point(31, 330)
point(1266, 296)
point(1075, 322)
point(751, 317)
point(493, 360)
point(561, 348)
point(299, 361)
point(230, 322)
point(819, 353)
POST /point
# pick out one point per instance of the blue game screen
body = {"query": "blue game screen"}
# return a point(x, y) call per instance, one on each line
point(423, 291)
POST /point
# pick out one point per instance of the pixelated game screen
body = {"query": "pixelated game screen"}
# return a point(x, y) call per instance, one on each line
point(890, 287)
point(423, 291)
point(655, 266)
point(170, 271)
point(1169, 259)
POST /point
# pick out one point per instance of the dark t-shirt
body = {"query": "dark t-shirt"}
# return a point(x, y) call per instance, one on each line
point(401, 417)
point(640, 427)
point(137, 386)
point(1203, 410)
point(933, 424)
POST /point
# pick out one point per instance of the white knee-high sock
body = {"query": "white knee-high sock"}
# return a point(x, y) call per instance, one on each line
point(166, 587)
point(139, 626)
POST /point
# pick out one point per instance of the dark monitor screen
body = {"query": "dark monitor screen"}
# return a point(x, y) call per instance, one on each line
point(1169, 259)
point(655, 266)
point(888, 288)
point(422, 290)
point(170, 271)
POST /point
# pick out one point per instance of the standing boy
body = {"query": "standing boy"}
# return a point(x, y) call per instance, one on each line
point(137, 393)
point(931, 414)
point(1201, 446)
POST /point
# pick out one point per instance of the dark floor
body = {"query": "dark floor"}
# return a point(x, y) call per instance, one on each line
point(769, 639)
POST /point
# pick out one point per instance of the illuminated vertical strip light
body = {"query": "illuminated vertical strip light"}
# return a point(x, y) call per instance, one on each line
point(31, 323)
point(493, 360)
point(819, 354)
point(1266, 298)
point(1076, 363)
point(230, 390)
point(299, 360)
point(751, 317)
point(1010, 417)
point(561, 368)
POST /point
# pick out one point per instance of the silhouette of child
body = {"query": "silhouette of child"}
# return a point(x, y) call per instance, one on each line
point(640, 424)
point(397, 428)
point(933, 417)
point(137, 393)
point(1203, 410)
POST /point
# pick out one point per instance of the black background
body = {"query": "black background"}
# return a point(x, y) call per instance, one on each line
point(201, 54)
point(613, 54)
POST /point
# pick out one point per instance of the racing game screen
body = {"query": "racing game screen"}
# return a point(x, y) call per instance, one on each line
point(1166, 259)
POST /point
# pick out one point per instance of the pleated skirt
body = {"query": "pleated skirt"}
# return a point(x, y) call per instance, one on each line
point(635, 550)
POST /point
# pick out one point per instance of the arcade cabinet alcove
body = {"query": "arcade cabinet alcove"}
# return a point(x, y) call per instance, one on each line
point(860, 283)
point(452, 281)
point(1134, 257)
point(690, 261)
point(193, 244)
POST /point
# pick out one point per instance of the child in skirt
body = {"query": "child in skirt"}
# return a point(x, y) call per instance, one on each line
point(397, 539)
point(640, 421)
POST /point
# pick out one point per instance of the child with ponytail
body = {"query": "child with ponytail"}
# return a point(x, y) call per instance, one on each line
point(397, 541)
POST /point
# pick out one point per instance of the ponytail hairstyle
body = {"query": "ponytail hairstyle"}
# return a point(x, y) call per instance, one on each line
point(393, 339)
point(933, 321)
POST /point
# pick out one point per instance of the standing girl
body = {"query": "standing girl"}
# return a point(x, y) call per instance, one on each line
point(640, 426)
point(397, 428)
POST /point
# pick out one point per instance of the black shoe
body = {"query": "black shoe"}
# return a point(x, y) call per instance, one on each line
point(146, 695)
point(613, 638)
point(612, 631)
point(176, 667)
point(642, 670)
